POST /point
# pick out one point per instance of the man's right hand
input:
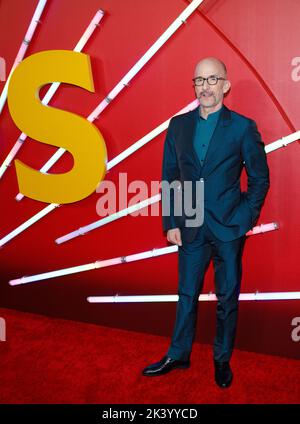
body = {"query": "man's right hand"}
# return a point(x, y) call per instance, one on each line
point(174, 236)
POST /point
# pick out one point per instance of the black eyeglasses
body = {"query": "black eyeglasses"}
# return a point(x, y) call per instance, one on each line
point(211, 80)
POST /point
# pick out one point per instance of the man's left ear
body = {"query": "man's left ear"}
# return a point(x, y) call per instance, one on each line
point(226, 86)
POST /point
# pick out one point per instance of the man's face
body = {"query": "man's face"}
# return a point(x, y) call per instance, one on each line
point(211, 96)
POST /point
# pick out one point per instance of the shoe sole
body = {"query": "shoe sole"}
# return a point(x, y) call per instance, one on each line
point(184, 366)
point(224, 386)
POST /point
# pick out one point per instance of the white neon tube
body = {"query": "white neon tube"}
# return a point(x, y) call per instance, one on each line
point(104, 263)
point(148, 137)
point(263, 228)
point(78, 48)
point(23, 48)
point(97, 224)
point(94, 265)
point(130, 75)
point(146, 57)
point(203, 297)
point(50, 93)
point(282, 142)
point(2, 69)
point(28, 223)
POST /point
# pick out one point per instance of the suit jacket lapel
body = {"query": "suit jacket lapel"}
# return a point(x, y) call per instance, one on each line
point(218, 134)
point(189, 135)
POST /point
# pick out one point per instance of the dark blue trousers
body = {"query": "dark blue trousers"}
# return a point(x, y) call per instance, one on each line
point(193, 261)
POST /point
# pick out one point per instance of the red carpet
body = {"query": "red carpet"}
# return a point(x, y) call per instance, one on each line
point(47, 360)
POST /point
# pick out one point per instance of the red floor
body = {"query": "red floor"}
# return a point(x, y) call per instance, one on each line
point(47, 360)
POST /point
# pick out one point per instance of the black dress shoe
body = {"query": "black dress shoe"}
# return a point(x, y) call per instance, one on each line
point(223, 374)
point(166, 364)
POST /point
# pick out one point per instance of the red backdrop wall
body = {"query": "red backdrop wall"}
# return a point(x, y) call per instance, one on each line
point(258, 41)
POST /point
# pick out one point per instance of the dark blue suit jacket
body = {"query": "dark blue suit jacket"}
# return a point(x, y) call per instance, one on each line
point(235, 143)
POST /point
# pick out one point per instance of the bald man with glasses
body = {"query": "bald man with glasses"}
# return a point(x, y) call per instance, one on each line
point(211, 144)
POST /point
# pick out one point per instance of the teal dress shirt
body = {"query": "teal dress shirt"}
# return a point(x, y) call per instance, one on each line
point(203, 134)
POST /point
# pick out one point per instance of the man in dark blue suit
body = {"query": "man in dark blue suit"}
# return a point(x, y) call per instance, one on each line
point(211, 144)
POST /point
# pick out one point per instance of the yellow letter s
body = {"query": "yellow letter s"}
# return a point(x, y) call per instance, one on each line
point(56, 127)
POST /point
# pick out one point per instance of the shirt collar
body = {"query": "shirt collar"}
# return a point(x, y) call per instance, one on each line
point(212, 117)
